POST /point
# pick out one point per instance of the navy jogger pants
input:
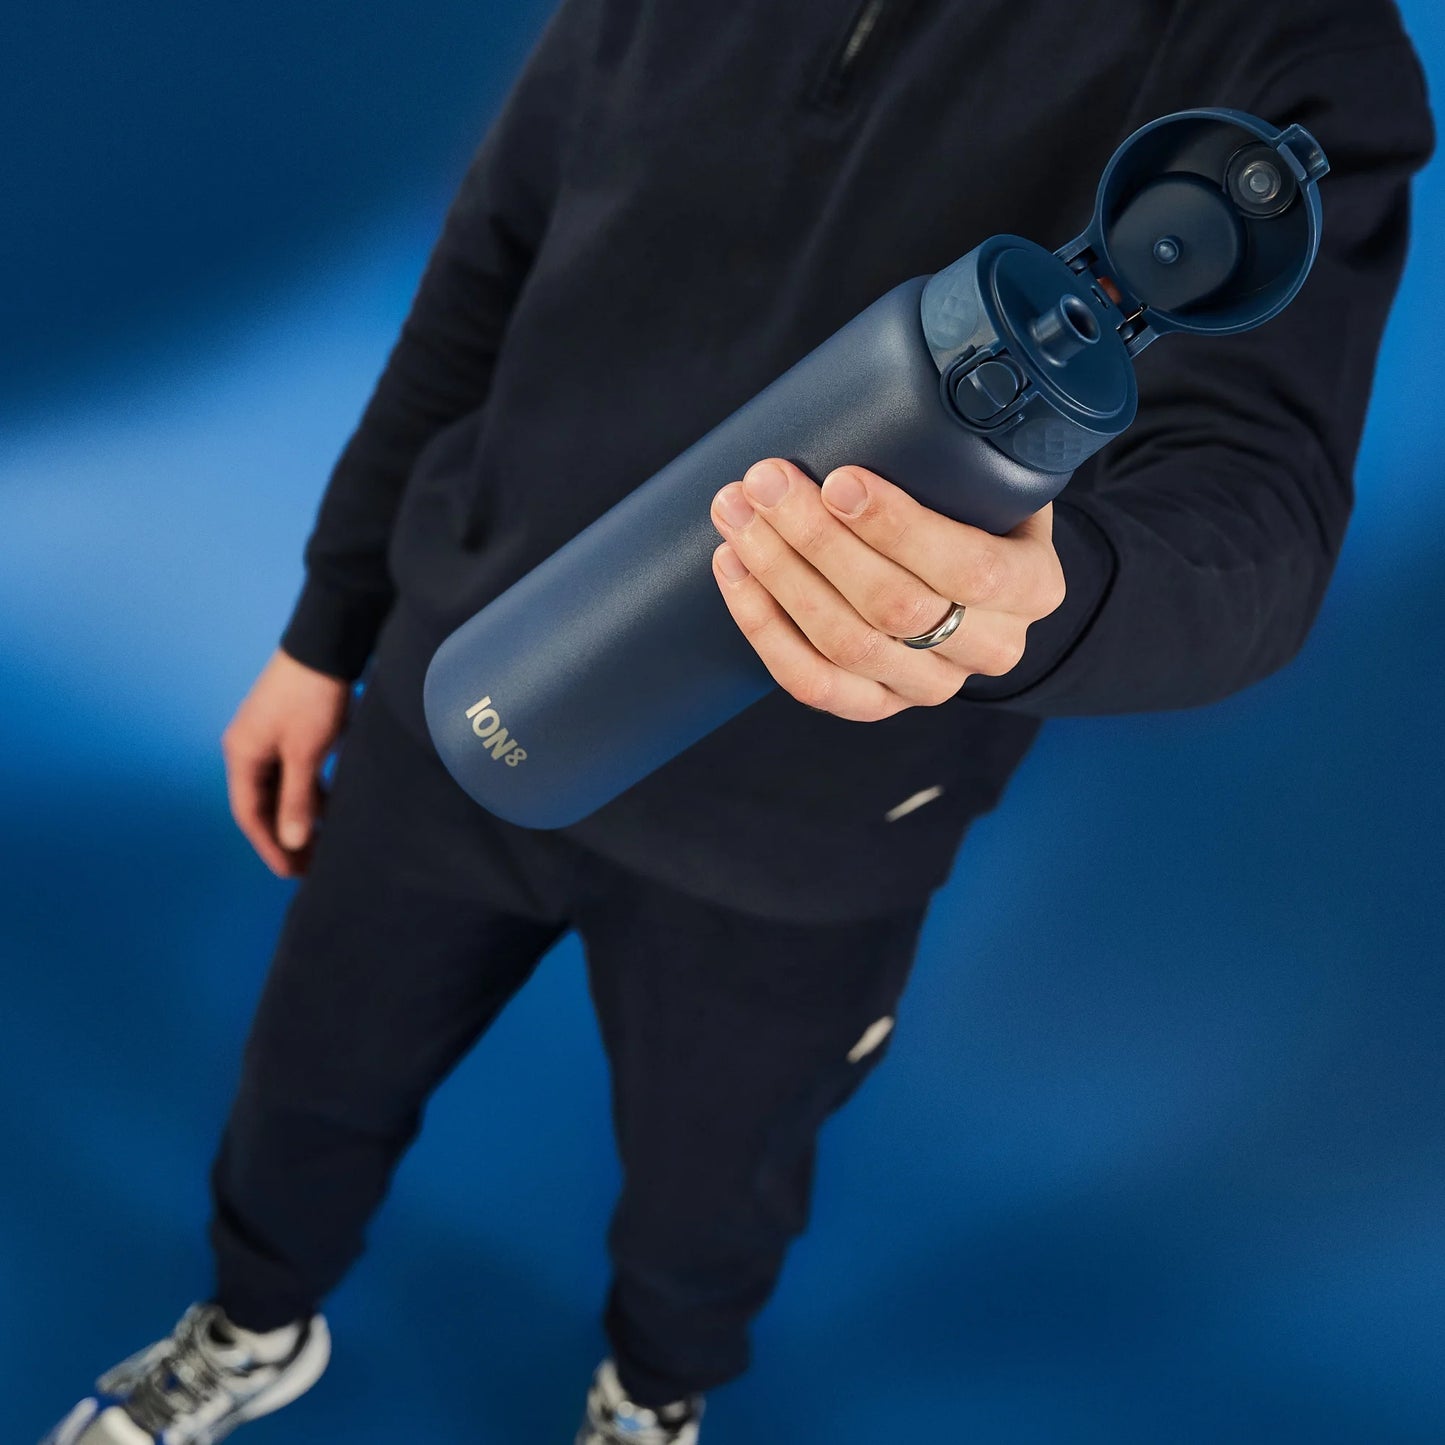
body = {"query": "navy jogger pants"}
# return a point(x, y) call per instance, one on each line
point(730, 1038)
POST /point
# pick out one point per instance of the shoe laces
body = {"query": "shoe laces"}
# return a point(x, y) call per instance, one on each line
point(184, 1375)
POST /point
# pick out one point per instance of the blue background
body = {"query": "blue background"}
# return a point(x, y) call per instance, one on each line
point(1158, 1154)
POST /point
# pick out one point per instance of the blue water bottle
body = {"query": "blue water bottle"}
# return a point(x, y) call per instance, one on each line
point(978, 390)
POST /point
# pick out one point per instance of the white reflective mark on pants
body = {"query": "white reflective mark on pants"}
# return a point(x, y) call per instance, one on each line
point(873, 1035)
point(917, 800)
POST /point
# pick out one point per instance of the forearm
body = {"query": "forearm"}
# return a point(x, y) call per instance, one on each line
point(441, 366)
point(439, 370)
point(1178, 595)
point(1197, 548)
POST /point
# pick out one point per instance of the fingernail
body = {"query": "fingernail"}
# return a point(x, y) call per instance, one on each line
point(845, 493)
point(766, 483)
point(734, 506)
point(293, 835)
point(731, 565)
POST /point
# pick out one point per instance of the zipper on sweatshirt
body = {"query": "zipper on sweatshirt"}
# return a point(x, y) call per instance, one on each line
point(867, 28)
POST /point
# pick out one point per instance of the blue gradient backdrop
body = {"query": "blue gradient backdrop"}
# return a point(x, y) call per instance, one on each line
point(1158, 1156)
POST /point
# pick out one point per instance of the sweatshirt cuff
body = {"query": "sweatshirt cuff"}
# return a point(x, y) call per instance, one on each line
point(333, 630)
point(1089, 562)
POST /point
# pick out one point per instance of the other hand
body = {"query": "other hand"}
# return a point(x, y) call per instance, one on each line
point(274, 748)
point(823, 581)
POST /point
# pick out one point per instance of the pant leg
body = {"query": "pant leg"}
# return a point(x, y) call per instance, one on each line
point(418, 920)
point(731, 1039)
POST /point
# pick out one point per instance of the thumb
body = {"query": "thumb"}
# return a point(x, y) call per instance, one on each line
point(296, 807)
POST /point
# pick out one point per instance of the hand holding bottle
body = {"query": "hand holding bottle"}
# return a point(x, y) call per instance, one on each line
point(825, 581)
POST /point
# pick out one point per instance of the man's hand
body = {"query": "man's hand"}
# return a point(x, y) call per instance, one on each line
point(824, 581)
point(274, 748)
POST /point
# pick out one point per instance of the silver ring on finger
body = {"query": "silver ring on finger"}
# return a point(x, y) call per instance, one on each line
point(941, 633)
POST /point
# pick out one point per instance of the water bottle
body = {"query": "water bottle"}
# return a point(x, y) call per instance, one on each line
point(978, 390)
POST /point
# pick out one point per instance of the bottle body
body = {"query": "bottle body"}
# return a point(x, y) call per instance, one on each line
point(617, 652)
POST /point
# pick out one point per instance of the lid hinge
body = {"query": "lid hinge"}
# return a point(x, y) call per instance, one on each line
point(1134, 330)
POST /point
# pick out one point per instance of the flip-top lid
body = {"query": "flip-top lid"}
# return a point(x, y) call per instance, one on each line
point(1206, 221)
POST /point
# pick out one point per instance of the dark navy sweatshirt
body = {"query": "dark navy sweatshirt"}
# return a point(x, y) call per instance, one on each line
point(677, 201)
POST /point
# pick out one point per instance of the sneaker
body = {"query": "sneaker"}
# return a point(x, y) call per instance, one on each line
point(612, 1419)
point(197, 1386)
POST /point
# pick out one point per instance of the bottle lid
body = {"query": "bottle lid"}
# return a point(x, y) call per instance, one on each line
point(1206, 221)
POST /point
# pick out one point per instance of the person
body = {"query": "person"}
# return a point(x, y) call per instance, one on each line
point(673, 205)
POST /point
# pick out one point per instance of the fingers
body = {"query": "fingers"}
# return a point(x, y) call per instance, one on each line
point(825, 582)
point(275, 800)
point(789, 587)
point(795, 663)
point(1018, 574)
point(297, 805)
point(840, 633)
point(252, 783)
point(831, 581)
point(882, 592)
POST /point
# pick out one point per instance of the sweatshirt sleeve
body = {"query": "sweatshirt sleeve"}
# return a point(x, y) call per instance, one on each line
point(1197, 547)
point(441, 364)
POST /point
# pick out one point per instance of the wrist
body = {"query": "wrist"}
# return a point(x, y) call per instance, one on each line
point(332, 629)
